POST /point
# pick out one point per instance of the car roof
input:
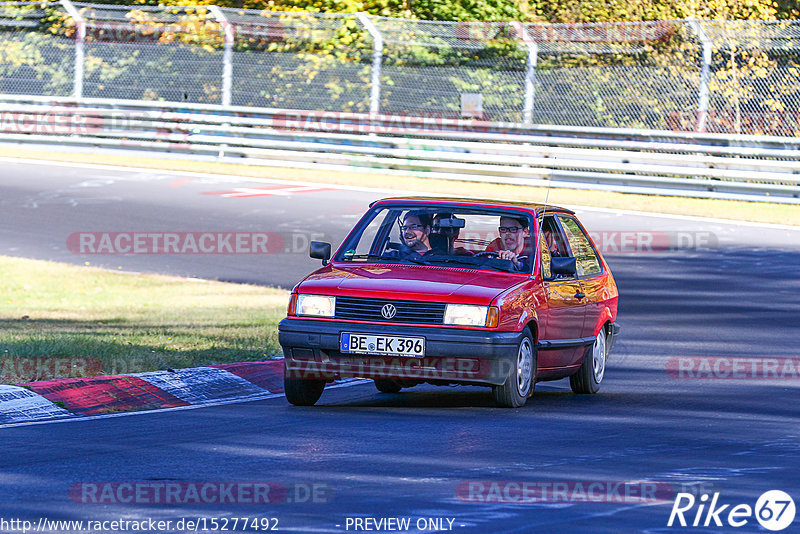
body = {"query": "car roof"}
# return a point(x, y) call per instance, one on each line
point(476, 202)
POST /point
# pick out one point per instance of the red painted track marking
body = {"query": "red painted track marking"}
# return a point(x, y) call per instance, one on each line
point(105, 394)
point(268, 191)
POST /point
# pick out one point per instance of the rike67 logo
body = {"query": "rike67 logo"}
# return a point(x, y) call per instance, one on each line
point(774, 510)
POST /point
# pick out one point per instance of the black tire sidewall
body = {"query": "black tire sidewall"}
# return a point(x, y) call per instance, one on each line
point(507, 395)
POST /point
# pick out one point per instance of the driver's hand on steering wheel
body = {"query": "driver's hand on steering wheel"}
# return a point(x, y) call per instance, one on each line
point(509, 255)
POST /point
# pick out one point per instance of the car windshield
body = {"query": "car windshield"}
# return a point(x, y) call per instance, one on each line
point(470, 238)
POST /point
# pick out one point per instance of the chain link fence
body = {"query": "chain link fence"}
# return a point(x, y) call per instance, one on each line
point(684, 75)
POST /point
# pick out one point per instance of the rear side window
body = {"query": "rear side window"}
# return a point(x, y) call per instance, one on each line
point(587, 261)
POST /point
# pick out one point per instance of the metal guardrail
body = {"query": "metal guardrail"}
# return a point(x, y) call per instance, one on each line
point(755, 168)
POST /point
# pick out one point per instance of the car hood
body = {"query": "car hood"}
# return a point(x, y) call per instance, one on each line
point(410, 282)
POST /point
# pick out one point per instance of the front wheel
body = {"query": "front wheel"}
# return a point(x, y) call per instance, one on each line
point(521, 378)
point(302, 392)
point(587, 380)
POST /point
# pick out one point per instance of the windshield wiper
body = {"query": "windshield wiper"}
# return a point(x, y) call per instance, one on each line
point(506, 266)
point(369, 257)
point(418, 259)
point(460, 261)
point(494, 263)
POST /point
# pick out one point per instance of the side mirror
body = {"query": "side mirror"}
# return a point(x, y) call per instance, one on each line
point(565, 266)
point(320, 250)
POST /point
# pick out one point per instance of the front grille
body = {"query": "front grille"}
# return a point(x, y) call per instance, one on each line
point(407, 311)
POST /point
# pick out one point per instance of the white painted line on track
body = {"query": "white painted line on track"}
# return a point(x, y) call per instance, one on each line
point(248, 398)
point(222, 177)
point(393, 192)
point(694, 218)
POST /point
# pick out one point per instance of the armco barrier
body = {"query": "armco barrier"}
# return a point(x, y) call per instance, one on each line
point(754, 168)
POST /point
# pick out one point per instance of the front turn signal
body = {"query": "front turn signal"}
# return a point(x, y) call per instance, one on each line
point(493, 317)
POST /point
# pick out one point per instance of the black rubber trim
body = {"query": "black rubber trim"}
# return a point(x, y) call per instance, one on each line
point(499, 349)
point(613, 337)
point(292, 326)
point(556, 344)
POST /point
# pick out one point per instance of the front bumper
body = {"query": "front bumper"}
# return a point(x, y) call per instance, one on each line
point(311, 350)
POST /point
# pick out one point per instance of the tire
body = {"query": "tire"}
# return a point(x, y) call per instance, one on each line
point(302, 392)
point(521, 378)
point(587, 380)
point(387, 386)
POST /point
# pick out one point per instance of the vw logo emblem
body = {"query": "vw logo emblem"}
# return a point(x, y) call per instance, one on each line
point(388, 311)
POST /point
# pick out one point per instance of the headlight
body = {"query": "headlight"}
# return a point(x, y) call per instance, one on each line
point(465, 315)
point(317, 305)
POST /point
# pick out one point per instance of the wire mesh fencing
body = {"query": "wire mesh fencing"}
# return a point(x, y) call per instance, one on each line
point(681, 75)
point(755, 85)
point(37, 51)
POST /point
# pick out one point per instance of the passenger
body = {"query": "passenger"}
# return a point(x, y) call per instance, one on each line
point(552, 243)
point(415, 232)
point(416, 238)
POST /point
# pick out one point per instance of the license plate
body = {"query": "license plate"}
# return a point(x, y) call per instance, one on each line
point(413, 347)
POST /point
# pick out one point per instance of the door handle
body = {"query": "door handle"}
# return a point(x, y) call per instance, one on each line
point(579, 295)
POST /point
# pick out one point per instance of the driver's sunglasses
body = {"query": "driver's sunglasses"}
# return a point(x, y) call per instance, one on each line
point(412, 227)
point(509, 229)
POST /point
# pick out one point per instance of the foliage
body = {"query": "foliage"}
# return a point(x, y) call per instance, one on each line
point(633, 10)
point(39, 61)
point(471, 10)
point(530, 10)
point(288, 58)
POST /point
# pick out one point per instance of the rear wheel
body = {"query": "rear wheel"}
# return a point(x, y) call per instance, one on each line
point(521, 378)
point(587, 380)
point(301, 392)
point(387, 386)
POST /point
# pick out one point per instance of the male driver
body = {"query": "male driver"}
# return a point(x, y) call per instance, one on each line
point(513, 242)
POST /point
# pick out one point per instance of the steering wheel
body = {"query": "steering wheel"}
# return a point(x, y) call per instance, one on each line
point(487, 254)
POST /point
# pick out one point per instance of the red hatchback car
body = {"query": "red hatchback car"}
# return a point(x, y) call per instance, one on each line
point(452, 291)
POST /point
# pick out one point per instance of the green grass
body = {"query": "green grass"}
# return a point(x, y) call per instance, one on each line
point(60, 321)
point(724, 209)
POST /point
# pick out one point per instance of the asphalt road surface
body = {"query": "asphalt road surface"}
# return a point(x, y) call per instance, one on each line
point(444, 459)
